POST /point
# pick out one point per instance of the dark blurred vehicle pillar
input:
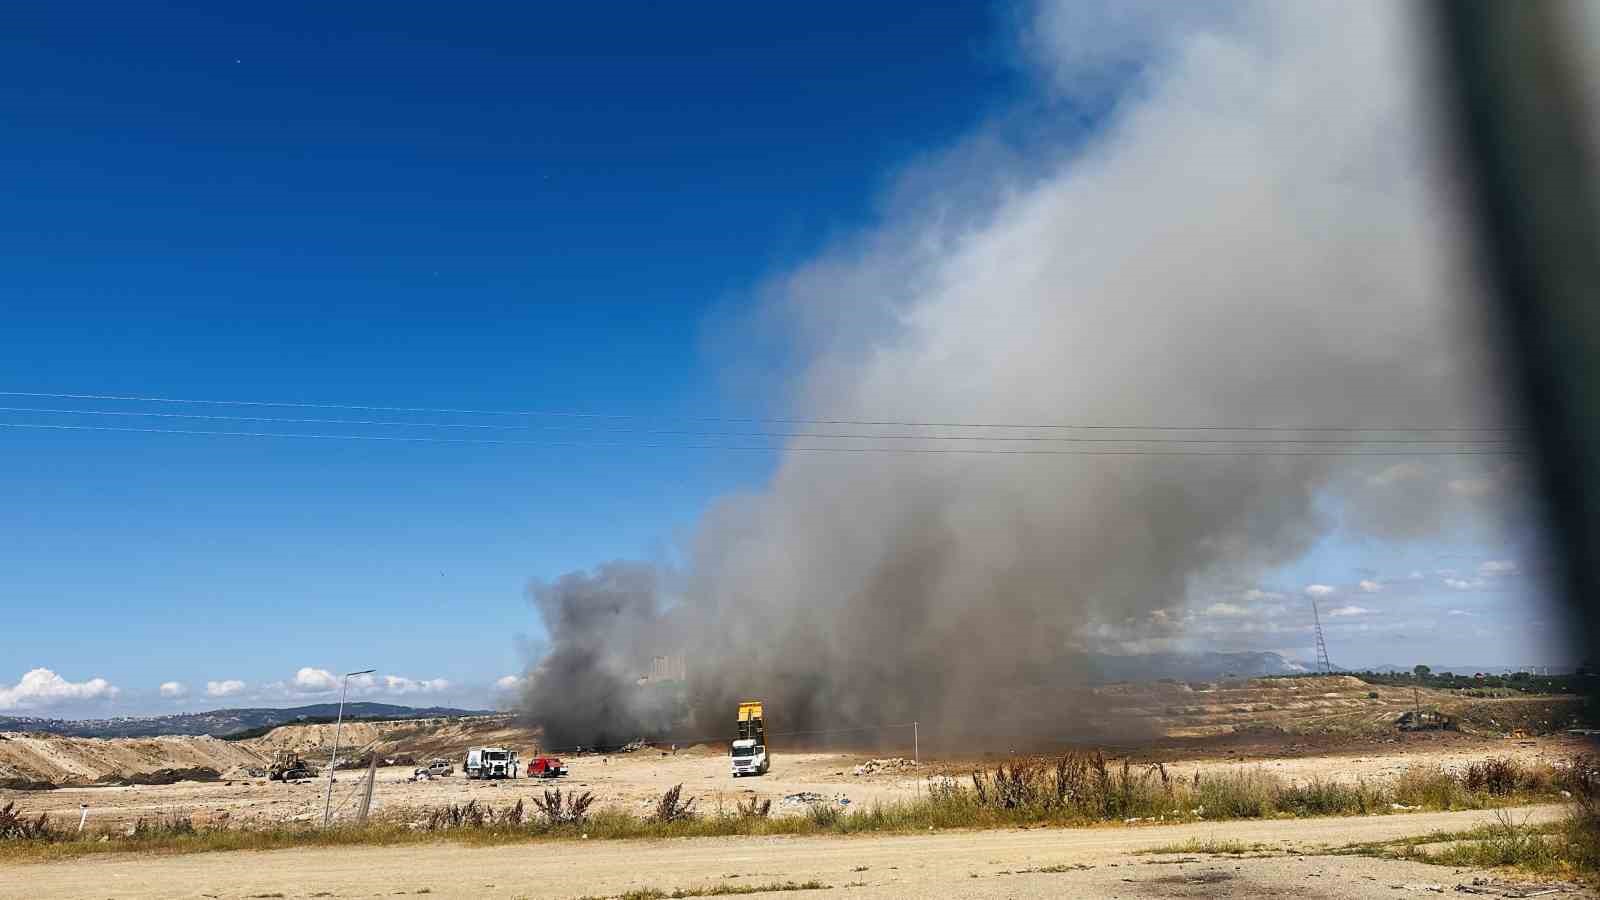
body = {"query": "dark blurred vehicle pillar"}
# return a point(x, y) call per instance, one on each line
point(1512, 74)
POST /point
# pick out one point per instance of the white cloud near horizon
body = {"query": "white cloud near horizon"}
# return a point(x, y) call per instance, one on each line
point(226, 688)
point(174, 690)
point(1349, 611)
point(1321, 590)
point(399, 686)
point(42, 687)
point(310, 680)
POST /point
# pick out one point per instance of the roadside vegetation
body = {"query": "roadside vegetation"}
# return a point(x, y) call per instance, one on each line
point(1075, 789)
point(1568, 847)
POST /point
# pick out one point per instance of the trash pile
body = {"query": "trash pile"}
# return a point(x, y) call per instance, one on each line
point(892, 764)
point(809, 798)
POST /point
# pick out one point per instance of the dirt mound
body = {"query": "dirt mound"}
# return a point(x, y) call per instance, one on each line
point(1323, 705)
point(420, 738)
point(168, 776)
point(58, 760)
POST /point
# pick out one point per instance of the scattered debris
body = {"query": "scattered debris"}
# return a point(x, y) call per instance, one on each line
point(1489, 887)
point(892, 764)
point(812, 798)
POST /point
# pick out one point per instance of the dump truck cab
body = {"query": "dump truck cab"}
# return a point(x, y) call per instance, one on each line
point(490, 762)
point(750, 741)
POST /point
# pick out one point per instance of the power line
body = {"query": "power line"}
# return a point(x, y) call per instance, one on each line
point(748, 420)
point(1008, 451)
point(747, 434)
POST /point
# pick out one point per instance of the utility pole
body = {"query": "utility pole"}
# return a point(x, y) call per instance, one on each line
point(327, 804)
point(916, 743)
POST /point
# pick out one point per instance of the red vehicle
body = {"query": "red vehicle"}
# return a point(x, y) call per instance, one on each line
point(546, 767)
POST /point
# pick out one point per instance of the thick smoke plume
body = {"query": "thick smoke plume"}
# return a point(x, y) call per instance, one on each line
point(1260, 234)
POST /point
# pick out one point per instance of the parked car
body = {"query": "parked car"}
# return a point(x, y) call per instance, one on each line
point(436, 767)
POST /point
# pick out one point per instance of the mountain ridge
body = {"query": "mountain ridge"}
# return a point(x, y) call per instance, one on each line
point(224, 722)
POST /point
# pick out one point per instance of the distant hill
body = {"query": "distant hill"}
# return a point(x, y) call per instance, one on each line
point(1191, 666)
point(1390, 669)
point(223, 722)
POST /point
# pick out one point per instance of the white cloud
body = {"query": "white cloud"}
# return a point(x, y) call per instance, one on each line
point(1369, 586)
point(1225, 610)
point(174, 689)
point(313, 681)
point(1320, 590)
point(1465, 584)
point(1349, 611)
point(1494, 567)
point(509, 683)
point(395, 684)
point(1416, 575)
point(1462, 612)
point(226, 688)
point(1255, 595)
point(42, 687)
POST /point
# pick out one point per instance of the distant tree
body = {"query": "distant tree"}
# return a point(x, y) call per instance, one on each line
point(1421, 672)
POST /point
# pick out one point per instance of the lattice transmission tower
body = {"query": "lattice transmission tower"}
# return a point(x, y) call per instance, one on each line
point(1323, 664)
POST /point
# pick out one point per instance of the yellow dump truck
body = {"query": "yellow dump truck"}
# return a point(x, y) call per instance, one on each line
point(750, 741)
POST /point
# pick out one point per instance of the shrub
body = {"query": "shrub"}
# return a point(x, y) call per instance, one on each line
point(162, 826)
point(1497, 777)
point(754, 808)
point(570, 812)
point(824, 815)
point(672, 808)
point(1430, 786)
point(16, 826)
point(1326, 798)
point(1246, 794)
point(458, 815)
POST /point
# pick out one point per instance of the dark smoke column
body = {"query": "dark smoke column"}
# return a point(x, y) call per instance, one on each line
point(604, 626)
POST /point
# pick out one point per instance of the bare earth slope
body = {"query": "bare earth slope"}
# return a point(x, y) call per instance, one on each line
point(69, 760)
point(1333, 704)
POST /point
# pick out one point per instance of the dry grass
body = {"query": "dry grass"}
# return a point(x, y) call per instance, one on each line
point(1569, 847)
point(720, 890)
point(1208, 845)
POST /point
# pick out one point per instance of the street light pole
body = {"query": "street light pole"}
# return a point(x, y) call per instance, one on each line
point(327, 804)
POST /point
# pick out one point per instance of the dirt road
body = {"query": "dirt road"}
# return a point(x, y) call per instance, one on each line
point(987, 864)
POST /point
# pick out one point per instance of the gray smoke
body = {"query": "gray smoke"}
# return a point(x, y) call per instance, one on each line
point(1261, 235)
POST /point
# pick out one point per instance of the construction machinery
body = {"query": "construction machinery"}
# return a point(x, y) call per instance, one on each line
point(750, 740)
point(490, 762)
point(288, 766)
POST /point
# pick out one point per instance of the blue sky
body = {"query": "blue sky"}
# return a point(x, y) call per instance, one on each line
point(491, 206)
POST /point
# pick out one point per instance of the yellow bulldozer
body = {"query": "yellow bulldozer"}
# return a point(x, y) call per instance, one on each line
point(287, 765)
